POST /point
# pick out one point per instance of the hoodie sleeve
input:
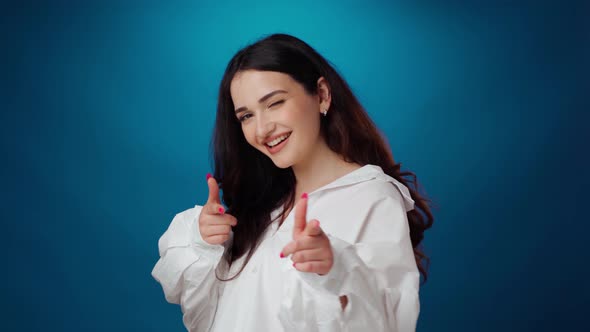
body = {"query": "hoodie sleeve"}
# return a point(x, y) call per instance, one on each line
point(186, 270)
point(377, 273)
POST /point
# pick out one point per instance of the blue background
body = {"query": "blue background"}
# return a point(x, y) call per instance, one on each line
point(107, 111)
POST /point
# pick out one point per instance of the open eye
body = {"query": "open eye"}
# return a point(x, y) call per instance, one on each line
point(244, 117)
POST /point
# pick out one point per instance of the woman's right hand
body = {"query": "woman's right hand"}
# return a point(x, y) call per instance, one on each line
point(214, 224)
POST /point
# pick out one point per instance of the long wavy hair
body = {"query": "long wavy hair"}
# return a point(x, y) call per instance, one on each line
point(253, 186)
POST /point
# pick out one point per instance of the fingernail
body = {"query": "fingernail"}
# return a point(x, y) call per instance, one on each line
point(209, 176)
point(281, 255)
point(221, 210)
point(294, 264)
point(304, 195)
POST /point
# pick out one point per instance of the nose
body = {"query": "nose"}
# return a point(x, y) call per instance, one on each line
point(264, 127)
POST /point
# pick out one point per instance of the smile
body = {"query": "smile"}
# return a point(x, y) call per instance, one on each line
point(277, 144)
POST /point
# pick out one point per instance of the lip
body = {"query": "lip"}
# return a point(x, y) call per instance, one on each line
point(278, 147)
point(270, 139)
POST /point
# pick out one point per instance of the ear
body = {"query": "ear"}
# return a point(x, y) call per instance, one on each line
point(324, 95)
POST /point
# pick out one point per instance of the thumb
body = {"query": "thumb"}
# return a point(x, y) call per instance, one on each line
point(213, 190)
point(313, 228)
point(300, 216)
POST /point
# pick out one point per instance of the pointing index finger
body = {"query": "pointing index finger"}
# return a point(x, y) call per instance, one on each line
point(300, 216)
point(213, 190)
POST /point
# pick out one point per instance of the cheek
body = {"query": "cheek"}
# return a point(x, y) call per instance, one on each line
point(307, 121)
point(308, 130)
point(249, 134)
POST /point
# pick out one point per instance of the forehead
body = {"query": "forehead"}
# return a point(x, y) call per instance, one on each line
point(249, 85)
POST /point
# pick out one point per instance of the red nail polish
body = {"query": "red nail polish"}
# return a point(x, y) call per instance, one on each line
point(281, 255)
point(221, 210)
point(209, 176)
point(304, 195)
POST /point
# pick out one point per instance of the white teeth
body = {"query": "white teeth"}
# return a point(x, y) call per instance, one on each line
point(277, 140)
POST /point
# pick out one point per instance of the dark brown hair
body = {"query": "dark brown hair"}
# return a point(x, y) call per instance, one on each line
point(253, 186)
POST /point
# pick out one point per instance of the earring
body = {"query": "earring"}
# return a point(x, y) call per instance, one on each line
point(325, 112)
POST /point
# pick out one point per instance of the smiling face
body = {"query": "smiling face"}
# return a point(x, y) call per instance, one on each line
point(278, 117)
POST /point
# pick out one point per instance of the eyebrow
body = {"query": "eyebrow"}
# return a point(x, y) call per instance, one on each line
point(261, 100)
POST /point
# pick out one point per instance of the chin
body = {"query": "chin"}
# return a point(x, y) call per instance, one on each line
point(281, 164)
point(280, 161)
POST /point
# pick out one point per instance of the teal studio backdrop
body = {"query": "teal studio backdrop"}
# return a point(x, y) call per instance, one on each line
point(108, 108)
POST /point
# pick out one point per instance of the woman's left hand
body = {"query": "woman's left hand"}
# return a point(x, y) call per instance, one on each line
point(310, 249)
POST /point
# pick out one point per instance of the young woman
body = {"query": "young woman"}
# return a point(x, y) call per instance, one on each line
point(322, 230)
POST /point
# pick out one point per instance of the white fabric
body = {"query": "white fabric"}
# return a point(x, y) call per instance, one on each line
point(364, 215)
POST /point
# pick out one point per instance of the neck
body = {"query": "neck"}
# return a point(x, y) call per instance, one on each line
point(323, 167)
